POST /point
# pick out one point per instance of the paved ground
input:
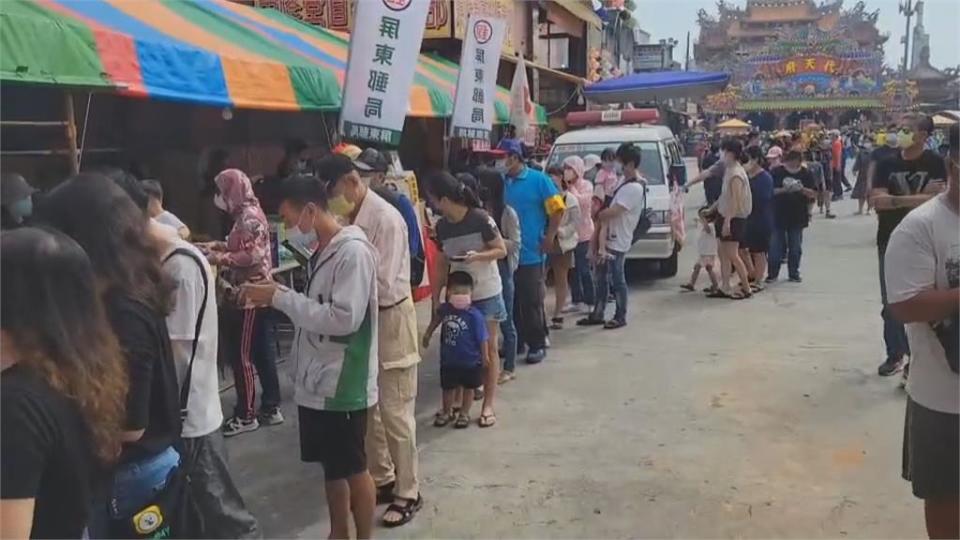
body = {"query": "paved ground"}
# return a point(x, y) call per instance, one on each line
point(703, 418)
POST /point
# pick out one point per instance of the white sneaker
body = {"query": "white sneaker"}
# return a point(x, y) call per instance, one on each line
point(572, 308)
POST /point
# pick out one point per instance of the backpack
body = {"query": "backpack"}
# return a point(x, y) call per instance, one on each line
point(417, 255)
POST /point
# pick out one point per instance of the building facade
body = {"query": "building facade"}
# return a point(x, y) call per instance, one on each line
point(793, 60)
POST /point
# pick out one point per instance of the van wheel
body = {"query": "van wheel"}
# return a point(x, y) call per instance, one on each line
point(668, 266)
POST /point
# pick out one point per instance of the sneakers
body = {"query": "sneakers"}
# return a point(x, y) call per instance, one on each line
point(270, 417)
point(891, 366)
point(505, 377)
point(536, 356)
point(572, 308)
point(236, 426)
point(795, 279)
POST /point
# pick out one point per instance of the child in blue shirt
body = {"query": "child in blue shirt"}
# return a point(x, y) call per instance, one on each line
point(463, 338)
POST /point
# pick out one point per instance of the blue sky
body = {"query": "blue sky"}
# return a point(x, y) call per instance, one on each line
point(674, 18)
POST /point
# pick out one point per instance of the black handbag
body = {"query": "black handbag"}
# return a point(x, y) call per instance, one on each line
point(948, 334)
point(170, 513)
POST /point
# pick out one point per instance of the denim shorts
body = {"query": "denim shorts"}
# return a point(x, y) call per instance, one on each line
point(493, 308)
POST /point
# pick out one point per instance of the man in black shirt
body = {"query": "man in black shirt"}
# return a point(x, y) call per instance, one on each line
point(793, 189)
point(901, 182)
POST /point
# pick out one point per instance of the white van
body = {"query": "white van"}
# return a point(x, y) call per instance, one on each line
point(661, 163)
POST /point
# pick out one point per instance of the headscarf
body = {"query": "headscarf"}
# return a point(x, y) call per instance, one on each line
point(236, 190)
point(590, 161)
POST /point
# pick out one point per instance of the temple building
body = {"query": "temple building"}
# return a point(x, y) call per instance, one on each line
point(794, 59)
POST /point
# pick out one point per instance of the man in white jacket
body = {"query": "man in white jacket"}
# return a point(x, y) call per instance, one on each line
point(335, 349)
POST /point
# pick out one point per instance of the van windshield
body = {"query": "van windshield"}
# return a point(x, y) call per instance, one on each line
point(651, 165)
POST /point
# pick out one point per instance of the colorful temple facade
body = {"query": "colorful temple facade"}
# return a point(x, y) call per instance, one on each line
point(794, 59)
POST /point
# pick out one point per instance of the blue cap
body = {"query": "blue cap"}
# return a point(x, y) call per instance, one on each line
point(511, 146)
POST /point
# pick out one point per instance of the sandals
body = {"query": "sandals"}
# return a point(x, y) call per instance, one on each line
point(556, 323)
point(441, 419)
point(589, 321)
point(717, 293)
point(486, 420)
point(505, 377)
point(406, 508)
point(613, 324)
point(740, 295)
point(463, 420)
point(686, 287)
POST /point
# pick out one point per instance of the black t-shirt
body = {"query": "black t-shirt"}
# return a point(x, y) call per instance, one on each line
point(48, 455)
point(153, 401)
point(791, 209)
point(904, 177)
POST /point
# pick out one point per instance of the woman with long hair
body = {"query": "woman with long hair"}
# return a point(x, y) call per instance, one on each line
point(732, 208)
point(137, 295)
point(756, 242)
point(245, 332)
point(491, 193)
point(63, 386)
point(470, 241)
point(560, 256)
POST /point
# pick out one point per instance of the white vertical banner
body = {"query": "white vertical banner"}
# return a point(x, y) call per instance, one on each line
point(473, 108)
point(521, 106)
point(384, 49)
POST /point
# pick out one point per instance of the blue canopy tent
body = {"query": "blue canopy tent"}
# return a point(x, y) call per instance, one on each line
point(647, 87)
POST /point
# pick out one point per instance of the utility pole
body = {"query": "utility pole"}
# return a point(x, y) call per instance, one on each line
point(686, 56)
point(909, 9)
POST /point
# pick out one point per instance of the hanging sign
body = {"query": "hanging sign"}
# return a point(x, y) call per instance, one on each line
point(477, 82)
point(384, 49)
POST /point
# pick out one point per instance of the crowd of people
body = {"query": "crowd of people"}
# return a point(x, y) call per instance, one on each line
point(111, 404)
point(112, 323)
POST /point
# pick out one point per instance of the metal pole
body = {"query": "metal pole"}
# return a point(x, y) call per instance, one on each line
point(71, 131)
point(686, 57)
point(907, 9)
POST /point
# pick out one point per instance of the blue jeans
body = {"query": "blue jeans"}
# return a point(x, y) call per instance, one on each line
point(507, 328)
point(610, 274)
point(135, 484)
point(581, 282)
point(894, 333)
point(791, 240)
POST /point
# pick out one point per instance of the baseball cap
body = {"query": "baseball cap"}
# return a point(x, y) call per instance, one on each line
point(349, 150)
point(371, 160)
point(14, 187)
point(511, 146)
point(774, 152)
point(330, 168)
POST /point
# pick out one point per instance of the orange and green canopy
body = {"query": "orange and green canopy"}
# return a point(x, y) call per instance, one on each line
point(208, 52)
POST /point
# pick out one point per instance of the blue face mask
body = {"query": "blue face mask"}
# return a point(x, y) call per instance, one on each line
point(22, 209)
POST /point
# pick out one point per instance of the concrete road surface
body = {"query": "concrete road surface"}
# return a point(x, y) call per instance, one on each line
point(703, 418)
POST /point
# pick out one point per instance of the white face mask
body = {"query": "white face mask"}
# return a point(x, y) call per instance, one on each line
point(298, 236)
point(219, 202)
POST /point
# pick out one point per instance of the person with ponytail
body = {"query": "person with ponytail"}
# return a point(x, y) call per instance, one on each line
point(471, 242)
point(64, 387)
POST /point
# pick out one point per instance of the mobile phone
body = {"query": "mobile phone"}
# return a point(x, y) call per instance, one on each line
point(303, 259)
point(458, 258)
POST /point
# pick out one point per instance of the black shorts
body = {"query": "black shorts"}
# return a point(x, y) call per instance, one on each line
point(930, 448)
point(335, 440)
point(738, 227)
point(456, 377)
point(757, 240)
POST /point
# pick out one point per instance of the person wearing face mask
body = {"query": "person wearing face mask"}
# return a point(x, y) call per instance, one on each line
point(760, 222)
point(606, 180)
point(923, 288)
point(560, 257)
point(539, 206)
point(902, 182)
point(470, 242)
point(16, 201)
point(732, 208)
point(246, 334)
point(581, 279)
point(391, 433)
point(335, 352)
point(373, 166)
point(794, 189)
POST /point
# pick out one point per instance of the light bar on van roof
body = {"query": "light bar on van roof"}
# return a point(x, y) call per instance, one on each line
point(613, 117)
